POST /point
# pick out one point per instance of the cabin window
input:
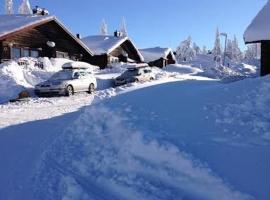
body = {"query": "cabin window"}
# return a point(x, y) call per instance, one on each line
point(60, 54)
point(26, 53)
point(34, 54)
point(16, 53)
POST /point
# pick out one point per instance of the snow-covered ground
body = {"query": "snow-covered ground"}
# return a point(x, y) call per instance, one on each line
point(182, 136)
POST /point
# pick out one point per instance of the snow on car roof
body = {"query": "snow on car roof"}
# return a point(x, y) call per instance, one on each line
point(152, 54)
point(78, 65)
point(12, 23)
point(259, 29)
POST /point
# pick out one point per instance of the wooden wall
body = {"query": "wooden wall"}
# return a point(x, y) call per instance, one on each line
point(265, 58)
point(37, 38)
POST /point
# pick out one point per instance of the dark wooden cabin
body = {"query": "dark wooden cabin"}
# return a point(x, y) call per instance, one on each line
point(259, 32)
point(158, 57)
point(38, 36)
point(108, 50)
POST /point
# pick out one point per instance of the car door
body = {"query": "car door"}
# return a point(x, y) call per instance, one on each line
point(84, 82)
point(75, 82)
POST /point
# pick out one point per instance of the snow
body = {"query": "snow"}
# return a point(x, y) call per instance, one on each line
point(12, 23)
point(81, 65)
point(232, 70)
point(152, 54)
point(105, 44)
point(259, 28)
point(141, 144)
point(15, 79)
point(182, 136)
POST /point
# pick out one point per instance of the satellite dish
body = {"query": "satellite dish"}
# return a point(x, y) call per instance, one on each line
point(51, 44)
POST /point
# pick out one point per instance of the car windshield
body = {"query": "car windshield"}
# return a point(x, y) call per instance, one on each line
point(62, 75)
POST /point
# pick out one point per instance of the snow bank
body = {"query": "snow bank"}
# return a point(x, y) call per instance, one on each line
point(102, 157)
point(15, 78)
point(251, 112)
point(211, 69)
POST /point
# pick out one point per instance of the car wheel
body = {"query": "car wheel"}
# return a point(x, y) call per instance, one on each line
point(91, 88)
point(69, 91)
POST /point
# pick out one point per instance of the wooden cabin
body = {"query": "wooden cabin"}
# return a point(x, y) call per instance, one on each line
point(38, 36)
point(158, 57)
point(108, 50)
point(259, 32)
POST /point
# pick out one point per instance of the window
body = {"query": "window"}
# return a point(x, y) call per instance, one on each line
point(34, 54)
point(60, 54)
point(15, 53)
point(26, 53)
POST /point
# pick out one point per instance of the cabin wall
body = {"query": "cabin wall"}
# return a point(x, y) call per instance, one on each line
point(170, 59)
point(98, 60)
point(1, 51)
point(158, 63)
point(265, 58)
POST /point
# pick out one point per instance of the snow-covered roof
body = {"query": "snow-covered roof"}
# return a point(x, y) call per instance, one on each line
point(259, 29)
point(101, 44)
point(105, 44)
point(13, 23)
point(152, 54)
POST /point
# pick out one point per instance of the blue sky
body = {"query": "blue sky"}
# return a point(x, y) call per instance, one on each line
point(156, 22)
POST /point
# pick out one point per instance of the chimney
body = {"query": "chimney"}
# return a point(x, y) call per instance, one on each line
point(78, 36)
point(118, 34)
point(39, 11)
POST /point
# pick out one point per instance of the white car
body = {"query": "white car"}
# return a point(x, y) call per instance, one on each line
point(135, 74)
point(68, 81)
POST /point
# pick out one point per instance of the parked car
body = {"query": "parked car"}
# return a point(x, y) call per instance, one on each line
point(135, 74)
point(71, 79)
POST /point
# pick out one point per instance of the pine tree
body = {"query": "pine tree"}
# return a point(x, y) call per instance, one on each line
point(196, 48)
point(9, 7)
point(25, 8)
point(229, 49)
point(104, 28)
point(217, 51)
point(204, 50)
point(236, 52)
point(123, 27)
point(185, 51)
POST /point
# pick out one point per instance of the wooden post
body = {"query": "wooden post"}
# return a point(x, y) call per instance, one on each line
point(265, 58)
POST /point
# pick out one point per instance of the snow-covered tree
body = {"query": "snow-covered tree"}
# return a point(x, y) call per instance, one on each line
point(204, 50)
point(9, 7)
point(229, 49)
point(104, 28)
point(25, 8)
point(236, 51)
point(253, 51)
point(123, 27)
point(217, 50)
point(185, 51)
point(233, 52)
point(196, 48)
